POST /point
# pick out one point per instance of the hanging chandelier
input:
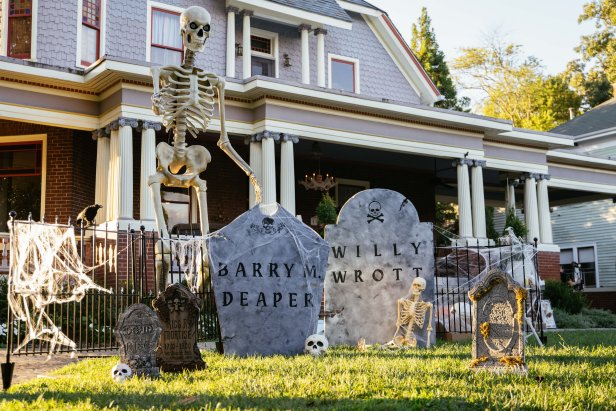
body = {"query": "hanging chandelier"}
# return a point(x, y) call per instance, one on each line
point(315, 181)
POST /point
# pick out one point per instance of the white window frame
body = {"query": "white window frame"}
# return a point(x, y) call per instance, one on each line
point(5, 29)
point(101, 33)
point(33, 138)
point(273, 37)
point(347, 181)
point(574, 247)
point(148, 35)
point(355, 62)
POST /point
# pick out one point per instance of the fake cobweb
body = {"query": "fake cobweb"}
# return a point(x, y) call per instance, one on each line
point(45, 269)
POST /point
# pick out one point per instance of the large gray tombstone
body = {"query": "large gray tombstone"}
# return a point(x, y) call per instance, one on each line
point(377, 248)
point(498, 323)
point(267, 274)
point(137, 333)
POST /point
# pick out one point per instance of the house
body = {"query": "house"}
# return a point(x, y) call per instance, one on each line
point(76, 124)
point(586, 231)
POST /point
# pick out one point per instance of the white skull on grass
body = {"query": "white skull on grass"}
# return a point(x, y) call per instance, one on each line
point(121, 372)
point(195, 28)
point(316, 344)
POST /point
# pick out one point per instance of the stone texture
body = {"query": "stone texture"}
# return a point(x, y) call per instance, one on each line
point(137, 332)
point(378, 247)
point(498, 318)
point(268, 278)
point(178, 311)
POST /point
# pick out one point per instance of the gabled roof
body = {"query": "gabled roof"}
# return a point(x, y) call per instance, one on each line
point(363, 4)
point(599, 118)
point(329, 8)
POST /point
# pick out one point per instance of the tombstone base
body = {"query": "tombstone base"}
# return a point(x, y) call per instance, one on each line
point(498, 368)
point(193, 366)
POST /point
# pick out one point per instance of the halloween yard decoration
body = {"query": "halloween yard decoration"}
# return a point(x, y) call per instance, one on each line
point(87, 215)
point(414, 316)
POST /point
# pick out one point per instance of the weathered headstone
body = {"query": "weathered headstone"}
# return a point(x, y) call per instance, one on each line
point(498, 323)
point(137, 333)
point(377, 248)
point(267, 274)
point(178, 311)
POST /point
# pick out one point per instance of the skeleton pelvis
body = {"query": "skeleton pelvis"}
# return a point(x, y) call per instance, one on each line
point(194, 158)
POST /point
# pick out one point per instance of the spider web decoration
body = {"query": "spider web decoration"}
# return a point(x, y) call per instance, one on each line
point(45, 269)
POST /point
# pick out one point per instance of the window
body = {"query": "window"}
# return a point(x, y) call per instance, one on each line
point(347, 188)
point(19, 29)
point(585, 256)
point(20, 180)
point(181, 209)
point(264, 52)
point(90, 31)
point(344, 73)
point(166, 42)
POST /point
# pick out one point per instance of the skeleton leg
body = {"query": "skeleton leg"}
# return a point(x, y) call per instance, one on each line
point(200, 187)
point(158, 206)
point(428, 341)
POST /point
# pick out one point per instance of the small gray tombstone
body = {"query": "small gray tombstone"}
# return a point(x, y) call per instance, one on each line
point(178, 311)
point(498, 318)
point(137, 332)
point(378, 247)
point(267, 274)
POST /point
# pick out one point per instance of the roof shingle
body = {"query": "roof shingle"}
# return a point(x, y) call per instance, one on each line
point(601, 117)
point(329, 8)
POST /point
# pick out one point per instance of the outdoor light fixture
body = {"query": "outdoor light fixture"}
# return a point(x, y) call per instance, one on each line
point(287, 60)
point(239, 50)
point(315, 181)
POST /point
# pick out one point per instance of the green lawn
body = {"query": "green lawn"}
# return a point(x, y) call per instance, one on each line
point(577, 371)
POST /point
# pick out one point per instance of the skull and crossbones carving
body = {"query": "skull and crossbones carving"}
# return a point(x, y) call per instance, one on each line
point(177, 304)
point(374, 212)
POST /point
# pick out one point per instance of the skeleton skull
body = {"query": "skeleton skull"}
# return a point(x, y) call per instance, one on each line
point(374, 209)
point(418, 286)
point(316, 345)
point(268, 225)
point(121, 372)
point(195, 28)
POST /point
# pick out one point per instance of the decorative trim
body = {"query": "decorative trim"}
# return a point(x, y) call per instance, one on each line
point(113, 126)
point(248, 13)
point(304, 27)
point(462, 161)
point(320, 31)
point(126, 121)
point(269, 134)
point(289, 137)
point(527, 176)
point(100, 133)
point(232, 9)
point(479, 163)
point(153, 125)
point(544, 177)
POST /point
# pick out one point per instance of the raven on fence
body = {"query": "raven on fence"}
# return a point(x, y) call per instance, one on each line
point(87, 215)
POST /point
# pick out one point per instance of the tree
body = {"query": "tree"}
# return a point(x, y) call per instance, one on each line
point(600, 46)
point(593, 86)
point(425, 47)
point(515, 86)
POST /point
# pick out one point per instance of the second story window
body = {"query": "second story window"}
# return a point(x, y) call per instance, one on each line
point(166, 46)
point(264, 51)
point(90, 31)
point(344, 74)
point(19, 40)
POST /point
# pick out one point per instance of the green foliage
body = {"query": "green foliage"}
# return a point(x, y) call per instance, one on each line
point(600, 46)
point(446, 219)
point(592, 86)
point(575, 371)
point(513, 221)
point(326, 210)
point(425, 47)
point(515, 86)
point(587, 318)
point(490, 230)
point(563, 297)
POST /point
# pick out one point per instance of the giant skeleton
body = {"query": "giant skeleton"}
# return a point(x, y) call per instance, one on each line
point(185, 98)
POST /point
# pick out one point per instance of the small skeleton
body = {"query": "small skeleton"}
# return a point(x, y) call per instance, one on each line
point(412, 312)
point(185, 98)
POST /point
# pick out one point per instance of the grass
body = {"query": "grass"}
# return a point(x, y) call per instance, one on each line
point(577, 371)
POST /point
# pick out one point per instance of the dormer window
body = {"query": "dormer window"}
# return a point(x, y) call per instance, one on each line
point(343, 73)
point(19, 40)
point(90, 31)
point(166, 42)
point(264, 53)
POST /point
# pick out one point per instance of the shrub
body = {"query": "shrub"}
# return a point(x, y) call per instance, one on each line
point(326, 210)
point(512, 220)
point(587, 318)
point(564, 297)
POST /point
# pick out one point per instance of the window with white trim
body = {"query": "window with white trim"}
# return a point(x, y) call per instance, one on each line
point(19, 29)
point(264, 53)
point(166, 43)
point(586, 258)
point(90, 31)
point(343, 73)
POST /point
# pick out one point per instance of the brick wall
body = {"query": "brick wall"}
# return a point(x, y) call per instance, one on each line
point(549, 265)
point(605, 300)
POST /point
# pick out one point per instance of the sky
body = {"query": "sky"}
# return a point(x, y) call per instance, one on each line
point(547, 29)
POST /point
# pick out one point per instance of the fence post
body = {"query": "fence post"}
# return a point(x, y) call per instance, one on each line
point(542, 336)
point(8, 367)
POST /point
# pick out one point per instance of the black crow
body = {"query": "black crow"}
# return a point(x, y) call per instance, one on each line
point(88, 215)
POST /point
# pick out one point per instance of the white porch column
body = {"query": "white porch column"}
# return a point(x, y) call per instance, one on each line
point(125, 169)
point(102, 170)
point(269, 167)
point(479, 205)
point(148, 167)
point(464, 198)
point(112, 182)
point(531, 213)
point(256, 163)
point(545, 223)
point(287, 172)
point(320, 33)
point(246, 59)
point(231, 11)
point(304, 29)
point(510, 200)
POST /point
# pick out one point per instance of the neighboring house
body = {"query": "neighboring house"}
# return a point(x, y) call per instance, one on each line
point(586, 231)
point(333, 72)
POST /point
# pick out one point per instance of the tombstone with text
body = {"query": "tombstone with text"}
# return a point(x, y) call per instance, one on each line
point(377, 248)
point(268, 279)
